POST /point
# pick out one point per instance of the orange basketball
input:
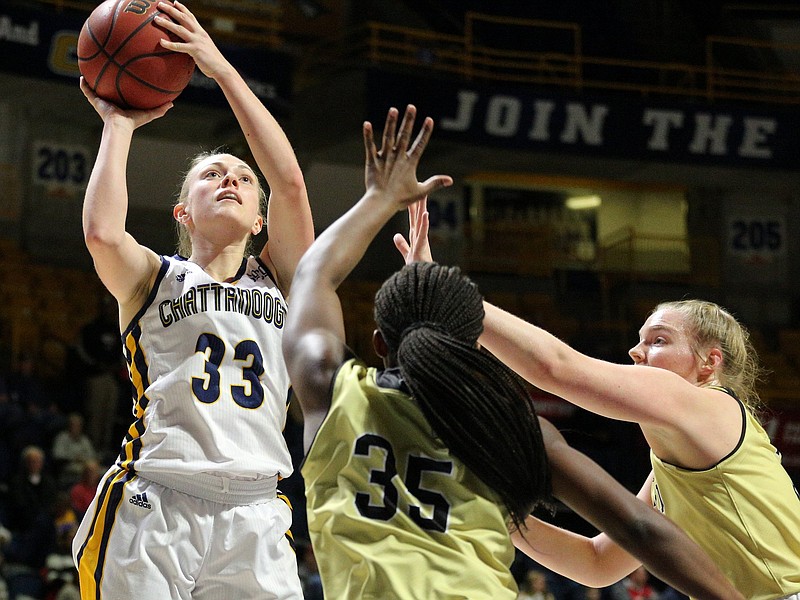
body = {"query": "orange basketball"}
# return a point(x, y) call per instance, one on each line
point(120, 57)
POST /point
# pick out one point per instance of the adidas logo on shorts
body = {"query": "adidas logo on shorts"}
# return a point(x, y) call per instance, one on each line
point(140, 500)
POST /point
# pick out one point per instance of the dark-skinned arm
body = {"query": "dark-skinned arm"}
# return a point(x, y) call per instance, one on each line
point(633, 532)
point(314, 338)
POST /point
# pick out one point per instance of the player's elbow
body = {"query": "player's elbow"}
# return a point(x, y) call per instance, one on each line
point(292, 186)
point(560, 372)
point(99, 238)
point(312, 358)
point(603, 571)
point(294, 180)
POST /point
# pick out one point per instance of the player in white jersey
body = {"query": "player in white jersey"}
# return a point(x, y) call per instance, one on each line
point(191, 508)
point(214, 343)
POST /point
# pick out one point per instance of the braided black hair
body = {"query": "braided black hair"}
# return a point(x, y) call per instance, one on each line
point(431, 317)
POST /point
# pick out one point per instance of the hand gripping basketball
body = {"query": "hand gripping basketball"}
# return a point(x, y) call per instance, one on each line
point(121, 58)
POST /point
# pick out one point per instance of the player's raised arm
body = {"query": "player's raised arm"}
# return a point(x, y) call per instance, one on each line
point(313, 341)
point(291, 229)
point(125, 268)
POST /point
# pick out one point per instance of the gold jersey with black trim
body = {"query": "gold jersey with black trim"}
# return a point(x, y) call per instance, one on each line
point(744, 512)
point(391, 512)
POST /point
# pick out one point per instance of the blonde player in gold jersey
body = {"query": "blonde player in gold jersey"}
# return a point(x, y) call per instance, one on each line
point(414, 473)
point(715, 471)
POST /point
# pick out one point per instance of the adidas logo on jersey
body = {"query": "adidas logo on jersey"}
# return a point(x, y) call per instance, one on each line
point(140, 500)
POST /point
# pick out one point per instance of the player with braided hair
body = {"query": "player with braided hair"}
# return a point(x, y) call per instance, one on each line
point(429, 316)
point(415, 472)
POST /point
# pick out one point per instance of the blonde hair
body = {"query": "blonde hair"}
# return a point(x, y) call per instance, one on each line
point(710, 326)
point(184, 247)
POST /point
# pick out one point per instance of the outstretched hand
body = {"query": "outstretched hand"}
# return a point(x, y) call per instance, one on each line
point(417, 248)
point(197, 43)
point(392, 170)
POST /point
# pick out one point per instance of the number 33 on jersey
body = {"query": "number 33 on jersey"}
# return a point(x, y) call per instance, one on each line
point(378, 480)
point(213, 340)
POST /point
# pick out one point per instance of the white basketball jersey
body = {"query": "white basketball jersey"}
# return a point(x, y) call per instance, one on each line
point(209, 384)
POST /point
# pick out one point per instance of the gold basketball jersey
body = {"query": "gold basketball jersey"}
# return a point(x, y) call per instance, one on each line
point(744, 512)
point(391, 513)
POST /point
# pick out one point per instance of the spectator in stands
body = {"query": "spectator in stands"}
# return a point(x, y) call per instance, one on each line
point(72, 448)
point(63, 515)
point(31, 499)
point(635, 586)
point(41, 417)
point(535, 587)
point(82, 492)
point(590, 593)
point(60, 577)
point(102, 361)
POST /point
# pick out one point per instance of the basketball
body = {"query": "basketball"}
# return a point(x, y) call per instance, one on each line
point(121, 60)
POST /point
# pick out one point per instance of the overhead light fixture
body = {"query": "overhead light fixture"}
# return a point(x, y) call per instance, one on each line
point(582, 202)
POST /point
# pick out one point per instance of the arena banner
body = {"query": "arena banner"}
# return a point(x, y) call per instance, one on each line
point(542, 120)
point(42, 44)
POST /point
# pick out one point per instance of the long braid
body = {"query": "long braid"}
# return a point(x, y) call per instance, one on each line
point(431, 317)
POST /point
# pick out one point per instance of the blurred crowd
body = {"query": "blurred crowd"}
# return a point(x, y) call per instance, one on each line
point(60, 428)
point(537, 583)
